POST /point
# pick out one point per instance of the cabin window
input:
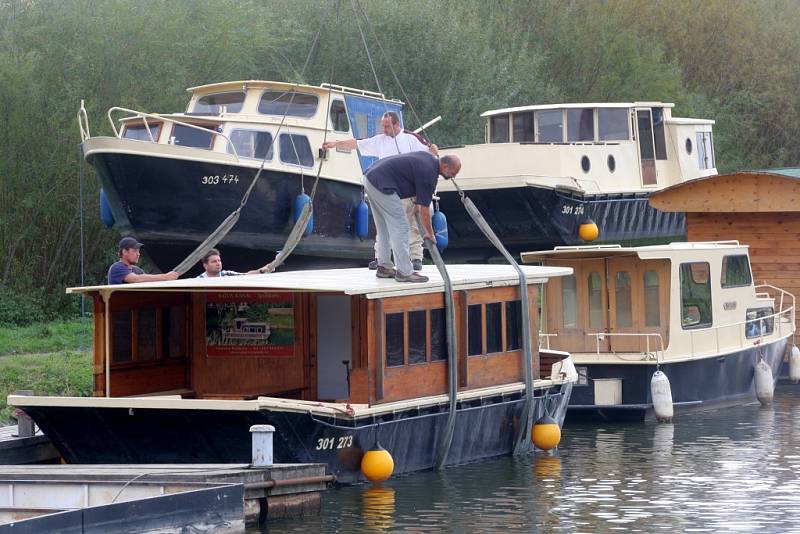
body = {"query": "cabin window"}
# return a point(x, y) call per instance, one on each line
point(395, 340)
point(523, 127)
point(695, 295)
point(735, 271)
point(139, 131)
point(121, 340)
point(475, 330)
point(494, 327)
point(498, 129)
point(417, 339)
point(658, 133)
point(289, 103)
point(212, 104)
point(438, 334)
point(569, 301)
point(251, 144)
point(580, 124)
point(550, 126)
point(148, 334)
point(173, 333)
point(705, 150)
point(595, 301)
point(760, 322)
point(201, 137)
point(612, 124)
point(651, 299)
point(339, 120)
point(622, 294)
point(296, 150)
point(513, 325)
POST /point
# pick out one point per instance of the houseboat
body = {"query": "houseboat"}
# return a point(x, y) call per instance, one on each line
point(544, 170)
point(341, 361)
point(690, 310)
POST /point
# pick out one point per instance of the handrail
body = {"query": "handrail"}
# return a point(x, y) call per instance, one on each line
point(83, 118)
point(547, 337)
point(647, 335)
point(143, 116)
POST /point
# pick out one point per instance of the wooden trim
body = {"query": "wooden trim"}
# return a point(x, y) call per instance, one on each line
point(428, 336)
point(533, 311)
point(308, 358)
point(380, 348)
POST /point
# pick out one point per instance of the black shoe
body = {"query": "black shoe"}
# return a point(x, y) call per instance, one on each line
point(413, 277)
point(373, 265)
point(417, 264)
point(385, 272)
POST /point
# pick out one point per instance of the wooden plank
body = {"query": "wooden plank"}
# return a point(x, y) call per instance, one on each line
point(380, 349)
point(739, 192)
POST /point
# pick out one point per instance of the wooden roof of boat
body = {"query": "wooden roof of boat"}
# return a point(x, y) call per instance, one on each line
point(756, 191)
point(648, 251)
point(357, 281)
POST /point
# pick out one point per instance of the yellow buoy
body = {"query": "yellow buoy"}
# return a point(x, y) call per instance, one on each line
point(546, 434)
point(588, 230)
point(377, 464)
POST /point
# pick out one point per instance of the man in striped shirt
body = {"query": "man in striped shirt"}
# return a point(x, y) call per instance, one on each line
point(212, 266)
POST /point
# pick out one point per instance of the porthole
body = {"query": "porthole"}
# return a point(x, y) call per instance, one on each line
point(585, 165)
point(612, 163)
point(688, 146)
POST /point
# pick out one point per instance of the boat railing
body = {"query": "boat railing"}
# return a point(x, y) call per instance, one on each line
point(657, 353)
point(83, 122)
point(142, 115)
point(543, 336)
point(751, 331)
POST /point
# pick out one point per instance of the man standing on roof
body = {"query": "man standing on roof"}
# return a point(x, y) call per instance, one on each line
point(212, 266)
point(389, 181)
point(393, 141)
point(125, 271)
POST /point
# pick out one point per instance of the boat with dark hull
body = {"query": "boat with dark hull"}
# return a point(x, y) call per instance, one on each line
point(337, 361)
point(690, 310)
point(544, 170)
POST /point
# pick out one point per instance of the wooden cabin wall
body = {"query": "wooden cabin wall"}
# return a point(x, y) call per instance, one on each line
point(258, 373)
point(773, 241)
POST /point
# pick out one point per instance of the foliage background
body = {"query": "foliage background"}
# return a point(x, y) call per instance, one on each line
point(731, 60)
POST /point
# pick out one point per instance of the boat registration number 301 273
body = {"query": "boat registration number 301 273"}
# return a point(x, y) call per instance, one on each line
point(341, 442)
point(568, 209)
point(220, 179)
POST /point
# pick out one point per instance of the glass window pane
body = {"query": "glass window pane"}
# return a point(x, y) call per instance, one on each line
point(438, 335)
point(569, 301)
point(513, 325)
point(417, 341)
point(475, 330)
point(172, 332)
point(198, 138)
point(735, 271)
point(146, 335)
point(622, 291)
point(212, 104)
point(498, 129)
point(139, 132)
point(658, 133)
point(695, 295)
point(290, 103)
point(645, 134)
point(339, 117)
point(296, 150)
point(595, 301)
point(494, 327)
point(613, 124)
point(395, 345)
point(580, 124)
point(550, 126)
point(251, 144)
point(121, 337)
point(652, 306)
point(523, 127)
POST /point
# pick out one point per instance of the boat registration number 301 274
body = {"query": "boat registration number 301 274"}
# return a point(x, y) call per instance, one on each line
point(220, 179)
point(568, 209)
point(341, 442)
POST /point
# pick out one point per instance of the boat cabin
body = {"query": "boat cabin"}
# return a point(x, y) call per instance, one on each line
point(658, 303)
point(594, 148)
point(338, 335)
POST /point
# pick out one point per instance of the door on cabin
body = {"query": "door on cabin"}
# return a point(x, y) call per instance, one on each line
point(564, 331)
point(334, 347)
point(654, 283)
point(624, 314)
point(595, 319)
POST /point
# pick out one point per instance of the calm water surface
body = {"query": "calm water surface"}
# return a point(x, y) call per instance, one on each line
point(732, 470)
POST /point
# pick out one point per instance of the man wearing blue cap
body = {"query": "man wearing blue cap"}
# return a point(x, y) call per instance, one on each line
point(125, 270)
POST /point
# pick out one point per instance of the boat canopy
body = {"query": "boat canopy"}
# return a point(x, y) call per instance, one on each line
point(649, 251)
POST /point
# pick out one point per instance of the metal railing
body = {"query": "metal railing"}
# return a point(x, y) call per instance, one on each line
point(83, 122)
point(142, 115)
point(657, 354)
point(546, 337)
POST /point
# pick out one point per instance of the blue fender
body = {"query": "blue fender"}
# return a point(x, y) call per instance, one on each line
point(362, 219)
point(439, 223)
point(105, 210)
point(299, 203)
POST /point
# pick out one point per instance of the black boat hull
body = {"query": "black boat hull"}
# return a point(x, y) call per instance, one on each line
point(484, 428)
point(700, 384)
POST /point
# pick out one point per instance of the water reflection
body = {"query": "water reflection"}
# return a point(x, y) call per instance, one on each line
point(732, 470)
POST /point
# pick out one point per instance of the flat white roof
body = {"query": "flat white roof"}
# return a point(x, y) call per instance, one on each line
point(359, 281)
point(647, 251)
point(579, 105)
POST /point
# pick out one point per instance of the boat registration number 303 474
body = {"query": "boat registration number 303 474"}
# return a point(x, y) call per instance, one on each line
point(341, 442)
point(220, 179)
